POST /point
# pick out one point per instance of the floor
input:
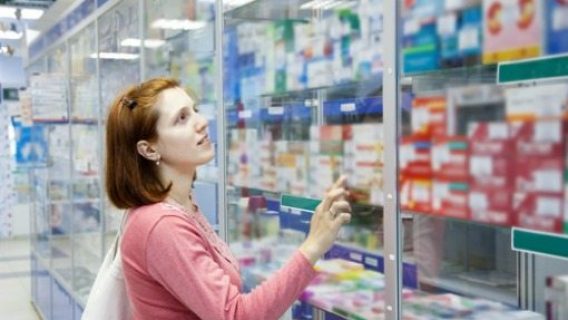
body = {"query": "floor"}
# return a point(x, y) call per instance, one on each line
point(15, 293)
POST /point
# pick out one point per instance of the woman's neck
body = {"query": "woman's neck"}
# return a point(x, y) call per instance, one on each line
point(181, 187)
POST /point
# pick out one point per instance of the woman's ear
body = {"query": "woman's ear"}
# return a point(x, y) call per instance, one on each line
point(147, 150)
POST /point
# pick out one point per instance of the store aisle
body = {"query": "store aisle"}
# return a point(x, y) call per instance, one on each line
point(15, 293)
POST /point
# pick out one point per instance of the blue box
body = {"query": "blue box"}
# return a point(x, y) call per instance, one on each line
point(557, 26)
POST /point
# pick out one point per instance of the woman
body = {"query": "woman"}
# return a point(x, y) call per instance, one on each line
point(175, 266)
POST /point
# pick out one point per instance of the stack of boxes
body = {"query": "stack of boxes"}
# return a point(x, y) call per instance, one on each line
point(509, 173)
point(540, 137)
point(326, 157)
point(491, 173)
point(447, 33)
point(417, 176)
point(364, 161)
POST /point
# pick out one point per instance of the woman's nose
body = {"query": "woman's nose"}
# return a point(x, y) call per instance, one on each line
point(201, 123)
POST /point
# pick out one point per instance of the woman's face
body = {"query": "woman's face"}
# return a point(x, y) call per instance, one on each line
point(183, 142)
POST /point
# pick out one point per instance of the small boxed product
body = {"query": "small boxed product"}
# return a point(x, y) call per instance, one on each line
point(491, 155)
point(543, 102)
point(460, 36)
point(540, 156)
point(429, 116)
point(491, 205)
point(420, 47)
point(450, 199)
point(511, 29)
point(415, 157)
point(557, 297)
point(450, 158)
point(557, 24)
point(416, 195)
point(539, 211)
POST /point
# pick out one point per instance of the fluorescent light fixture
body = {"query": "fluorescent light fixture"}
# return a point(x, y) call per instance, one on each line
point(10, 35)
point(27, 13)
point(173, 24)
point(325, 4)
point(114, 56)
point(31, 35)
point(236, 3)
point(148, 43)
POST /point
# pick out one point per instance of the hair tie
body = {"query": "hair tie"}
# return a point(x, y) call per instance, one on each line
point(130, 103)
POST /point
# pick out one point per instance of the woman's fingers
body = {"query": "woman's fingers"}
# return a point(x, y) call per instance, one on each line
point(331, 197)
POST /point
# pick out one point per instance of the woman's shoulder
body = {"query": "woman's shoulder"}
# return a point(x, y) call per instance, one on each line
point(144, 219)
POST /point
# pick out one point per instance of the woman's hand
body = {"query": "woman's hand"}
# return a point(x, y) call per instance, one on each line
point(330, 215)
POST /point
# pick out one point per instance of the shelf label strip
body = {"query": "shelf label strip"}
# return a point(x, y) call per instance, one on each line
point(541, 243)
point(307, 204)
point(545, 68)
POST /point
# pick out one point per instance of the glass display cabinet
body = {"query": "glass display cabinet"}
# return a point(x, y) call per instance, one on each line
point(447, 116)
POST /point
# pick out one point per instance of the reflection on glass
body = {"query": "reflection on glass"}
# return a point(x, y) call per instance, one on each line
point(119, 65)
point(479, 158)
point(87, 173)
point(180, 44)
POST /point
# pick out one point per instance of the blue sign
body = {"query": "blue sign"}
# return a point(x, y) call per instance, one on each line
point(31, 144)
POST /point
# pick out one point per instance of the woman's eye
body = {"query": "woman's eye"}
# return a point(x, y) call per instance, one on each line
point(182, 116)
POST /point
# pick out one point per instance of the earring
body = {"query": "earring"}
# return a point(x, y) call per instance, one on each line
point(158, 161)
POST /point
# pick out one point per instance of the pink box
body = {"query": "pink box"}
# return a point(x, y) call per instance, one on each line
point(491, 205)
point(512, 30)
point(539, 211)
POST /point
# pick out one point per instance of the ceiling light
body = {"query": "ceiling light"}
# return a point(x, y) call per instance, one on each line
point(31, 35)
point(114, 56)
point(173, 24)
point(148, 43)
point(27, 13)
point(10, 35)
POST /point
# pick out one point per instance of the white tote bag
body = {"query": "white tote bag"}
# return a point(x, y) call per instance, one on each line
point(108, 299)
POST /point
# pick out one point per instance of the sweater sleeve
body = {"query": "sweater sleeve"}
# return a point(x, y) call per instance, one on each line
point(177, 258)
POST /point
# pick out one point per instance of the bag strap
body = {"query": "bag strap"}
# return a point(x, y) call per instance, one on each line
point(116, 243)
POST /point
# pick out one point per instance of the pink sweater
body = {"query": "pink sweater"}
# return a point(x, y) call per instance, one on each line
point(176, 267)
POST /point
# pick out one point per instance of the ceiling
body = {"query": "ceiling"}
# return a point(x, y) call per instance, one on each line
point(14, 47)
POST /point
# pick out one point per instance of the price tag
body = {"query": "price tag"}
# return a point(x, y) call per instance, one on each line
point(468, 39)
point(276, 110)
point(348, 107)
point(411, 26)
point(446, 25)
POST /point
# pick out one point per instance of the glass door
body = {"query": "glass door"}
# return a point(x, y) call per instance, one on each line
point(482, 158)
point(303, 103)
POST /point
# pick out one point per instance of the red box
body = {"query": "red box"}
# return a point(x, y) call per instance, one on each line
point(450, 199)
point(450, 158)
point(495, 171)
point(415, 158)
point(490, 139)
point(539, 138)
point(539, 211)
point(429, 116)
point(540, 174)
point(491, 205)
point(416, 195)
